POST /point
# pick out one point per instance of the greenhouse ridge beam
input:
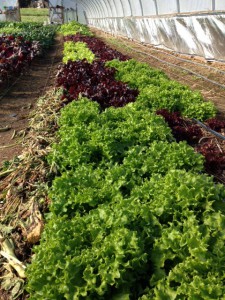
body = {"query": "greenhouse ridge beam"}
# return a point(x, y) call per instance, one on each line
point(185, 26)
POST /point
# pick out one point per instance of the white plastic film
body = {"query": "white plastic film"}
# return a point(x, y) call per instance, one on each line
point(136, 8)
point(90, 8)
point(187, 6)
point(126, 8)
point(167, 7)
point(119, 8)
point(219, 5)
point(106, 9)
point(194, 35)
point(111, 4)
point(149, 7)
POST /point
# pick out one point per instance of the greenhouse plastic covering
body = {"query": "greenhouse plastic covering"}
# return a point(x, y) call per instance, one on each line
point(194, 27)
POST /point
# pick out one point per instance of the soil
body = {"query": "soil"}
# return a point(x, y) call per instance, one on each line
point(18, 100)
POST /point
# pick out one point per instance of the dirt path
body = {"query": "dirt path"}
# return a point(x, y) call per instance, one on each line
point(181, 68)
point(20, 100)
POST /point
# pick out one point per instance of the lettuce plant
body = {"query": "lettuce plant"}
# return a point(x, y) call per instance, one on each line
point(95, 81)
point(162, 241)
point(74, 27)
point(98, 47)
point(77, 51)
point(156, 91)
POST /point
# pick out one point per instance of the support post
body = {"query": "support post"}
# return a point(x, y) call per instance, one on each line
point(141, 6)
point(131, 11)
point(156, 7)
point(178, 6)
point(76, 12)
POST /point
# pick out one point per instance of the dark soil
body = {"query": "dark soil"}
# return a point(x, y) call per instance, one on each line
point(19, 99)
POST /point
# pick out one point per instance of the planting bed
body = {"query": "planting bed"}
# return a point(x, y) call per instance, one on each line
point(18, 94)
point(172, 64)
point(111, 157)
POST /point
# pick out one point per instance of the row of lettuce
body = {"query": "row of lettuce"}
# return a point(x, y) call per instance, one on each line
point(132, 216)
point(20, 43)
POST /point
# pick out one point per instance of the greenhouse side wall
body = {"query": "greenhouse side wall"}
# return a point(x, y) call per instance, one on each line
point(201, 35)
point(193, 27)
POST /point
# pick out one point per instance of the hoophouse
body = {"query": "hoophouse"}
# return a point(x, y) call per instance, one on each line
point(194, 27)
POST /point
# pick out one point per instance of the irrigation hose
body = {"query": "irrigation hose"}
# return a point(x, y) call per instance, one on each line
point(179, 67)
point(185, 69)
point(186, 60)
point(222, 137)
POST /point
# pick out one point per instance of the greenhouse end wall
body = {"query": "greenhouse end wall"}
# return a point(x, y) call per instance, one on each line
point(9, 11)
